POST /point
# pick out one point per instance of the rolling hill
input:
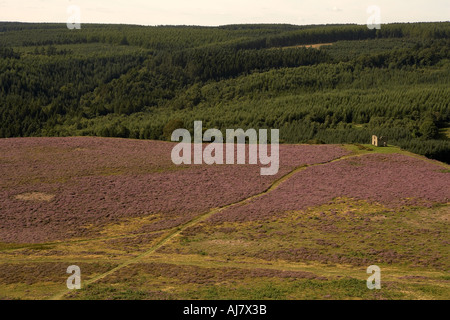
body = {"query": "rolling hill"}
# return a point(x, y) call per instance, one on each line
point(134, 81)
point(140, 227)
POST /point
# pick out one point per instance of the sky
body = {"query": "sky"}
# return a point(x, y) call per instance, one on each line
point(222, 12)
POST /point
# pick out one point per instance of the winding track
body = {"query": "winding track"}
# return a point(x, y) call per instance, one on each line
point(198, 219)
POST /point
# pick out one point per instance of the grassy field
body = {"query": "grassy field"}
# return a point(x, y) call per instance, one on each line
point(317, 247)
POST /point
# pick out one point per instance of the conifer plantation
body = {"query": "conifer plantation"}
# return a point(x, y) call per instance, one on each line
point(139, 82)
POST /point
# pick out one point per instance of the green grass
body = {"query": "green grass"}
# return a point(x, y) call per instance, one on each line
point(368, 148)
point(107, 292)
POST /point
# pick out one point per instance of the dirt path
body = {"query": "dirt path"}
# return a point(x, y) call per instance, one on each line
point(198, 219)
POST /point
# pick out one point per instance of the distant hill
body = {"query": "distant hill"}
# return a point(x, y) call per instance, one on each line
point(132, 81)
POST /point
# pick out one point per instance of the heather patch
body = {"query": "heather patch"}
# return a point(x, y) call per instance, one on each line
point(393, 180)
point(142, 182)
point(293, 235)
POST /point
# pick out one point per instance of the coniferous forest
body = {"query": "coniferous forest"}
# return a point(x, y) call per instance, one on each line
point(317, 84)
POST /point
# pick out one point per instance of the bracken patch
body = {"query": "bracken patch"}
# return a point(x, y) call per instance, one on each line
point(35, 196)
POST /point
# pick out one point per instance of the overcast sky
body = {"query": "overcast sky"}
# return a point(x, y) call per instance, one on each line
point(220, 12)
